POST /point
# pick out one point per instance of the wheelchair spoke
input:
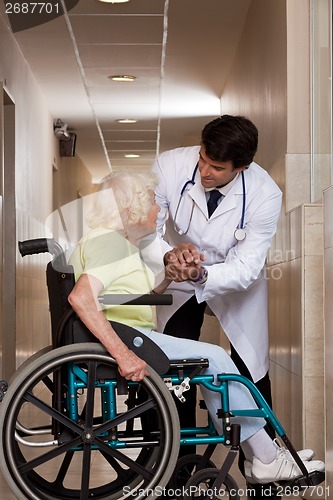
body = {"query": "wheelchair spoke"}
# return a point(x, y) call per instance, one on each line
point(132, 464)
point(49, 384)
point(29, 397)
point(121, 473)
point(130, 414)
point(85, 478)
point(63, 469)
point(50, 455)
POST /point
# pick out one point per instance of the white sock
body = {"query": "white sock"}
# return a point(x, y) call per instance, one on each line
point(261, 445)
point(247, 450)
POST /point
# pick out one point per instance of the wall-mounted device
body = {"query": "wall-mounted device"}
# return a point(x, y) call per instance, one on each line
point(67, 140)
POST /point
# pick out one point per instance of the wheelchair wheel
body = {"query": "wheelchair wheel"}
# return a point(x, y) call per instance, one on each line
point(27, 362)
point(69, 430)
point(186, 466)
point(200, 485)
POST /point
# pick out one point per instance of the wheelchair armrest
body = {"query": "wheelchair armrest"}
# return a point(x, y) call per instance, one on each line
point(143, 347)
point(136, 299)
point(188, 368)
point(189, 364)
point(139, 343)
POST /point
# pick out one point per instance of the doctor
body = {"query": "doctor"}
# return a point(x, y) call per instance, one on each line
point(219, 257)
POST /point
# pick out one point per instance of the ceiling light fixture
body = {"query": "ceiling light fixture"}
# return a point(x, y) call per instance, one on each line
point(132, 156)
point(126, 120)
point(114, 1)
point(122, 78)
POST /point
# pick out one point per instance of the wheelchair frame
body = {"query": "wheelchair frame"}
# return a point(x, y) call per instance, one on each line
point(146, 425)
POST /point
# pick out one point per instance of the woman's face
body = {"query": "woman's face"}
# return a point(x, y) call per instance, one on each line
point(152, 213)
point(148, 225)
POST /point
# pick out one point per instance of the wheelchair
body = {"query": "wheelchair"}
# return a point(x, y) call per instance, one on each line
point(72, 428)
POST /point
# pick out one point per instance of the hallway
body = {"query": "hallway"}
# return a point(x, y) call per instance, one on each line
point(270, 60)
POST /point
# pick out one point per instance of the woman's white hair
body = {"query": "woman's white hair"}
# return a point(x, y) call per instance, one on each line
point(123, 199)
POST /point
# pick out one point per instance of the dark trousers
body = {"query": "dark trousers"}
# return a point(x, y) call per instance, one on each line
point(186, 323)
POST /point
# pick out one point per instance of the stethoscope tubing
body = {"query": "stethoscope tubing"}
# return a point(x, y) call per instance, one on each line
point(190, 181)
point(244, 201)
point(239, 231)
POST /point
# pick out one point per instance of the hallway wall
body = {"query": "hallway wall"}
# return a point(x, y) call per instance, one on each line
point(256, 87)
point(269, 82)
point(36, 154)
point(328, 280)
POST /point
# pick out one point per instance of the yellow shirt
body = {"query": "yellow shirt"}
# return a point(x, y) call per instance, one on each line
point(114, 261)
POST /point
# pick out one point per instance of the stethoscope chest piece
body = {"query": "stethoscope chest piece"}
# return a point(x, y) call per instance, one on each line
point(240, 234)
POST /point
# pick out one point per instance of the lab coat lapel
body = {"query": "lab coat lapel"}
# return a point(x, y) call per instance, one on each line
point(231, 200)
point(197, 193)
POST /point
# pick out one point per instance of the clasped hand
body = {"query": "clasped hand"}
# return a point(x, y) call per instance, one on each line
point(183, 263)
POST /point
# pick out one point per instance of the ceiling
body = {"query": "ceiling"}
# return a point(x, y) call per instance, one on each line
point(179, 50)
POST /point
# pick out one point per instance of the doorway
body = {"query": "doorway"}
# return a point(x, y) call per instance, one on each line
point(7, 236)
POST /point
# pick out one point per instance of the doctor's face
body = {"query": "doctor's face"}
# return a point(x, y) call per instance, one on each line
point(215, 173)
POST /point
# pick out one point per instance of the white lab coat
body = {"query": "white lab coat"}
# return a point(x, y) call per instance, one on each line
point(236, 288)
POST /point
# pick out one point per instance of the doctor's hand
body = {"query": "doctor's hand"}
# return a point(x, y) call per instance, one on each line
point(183, 262)
point(186, 253)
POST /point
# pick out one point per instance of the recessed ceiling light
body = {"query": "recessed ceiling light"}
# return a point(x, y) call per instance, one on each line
point(122, 78)
point(126, 120)
point(132, 156)
point(114, 1)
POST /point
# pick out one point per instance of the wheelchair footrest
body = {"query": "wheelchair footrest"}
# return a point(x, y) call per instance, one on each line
point(301, 483)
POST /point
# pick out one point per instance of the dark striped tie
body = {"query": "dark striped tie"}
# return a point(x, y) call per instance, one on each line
point(212, 203)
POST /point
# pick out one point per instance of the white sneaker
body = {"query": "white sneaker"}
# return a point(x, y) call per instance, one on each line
point(305, 455)
point(283, 468)
point(248, 472)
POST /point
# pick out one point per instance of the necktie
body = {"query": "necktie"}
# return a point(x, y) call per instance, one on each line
point(212, 203)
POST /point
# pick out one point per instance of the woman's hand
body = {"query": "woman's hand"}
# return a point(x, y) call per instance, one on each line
point(131, 367)
point(183, 263)
point(186, 253)
point(84, 301)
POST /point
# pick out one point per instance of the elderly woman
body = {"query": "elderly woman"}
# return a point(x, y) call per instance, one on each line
point(108, 260)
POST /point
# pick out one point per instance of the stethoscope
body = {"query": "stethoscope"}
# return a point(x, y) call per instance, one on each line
point(239, 233)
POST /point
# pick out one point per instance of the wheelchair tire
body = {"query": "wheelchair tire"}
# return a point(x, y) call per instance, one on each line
point(200, 486)
point(27, 362)
point(48, 467)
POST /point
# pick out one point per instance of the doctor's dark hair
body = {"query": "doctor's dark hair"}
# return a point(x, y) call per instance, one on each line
point(230, 138)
